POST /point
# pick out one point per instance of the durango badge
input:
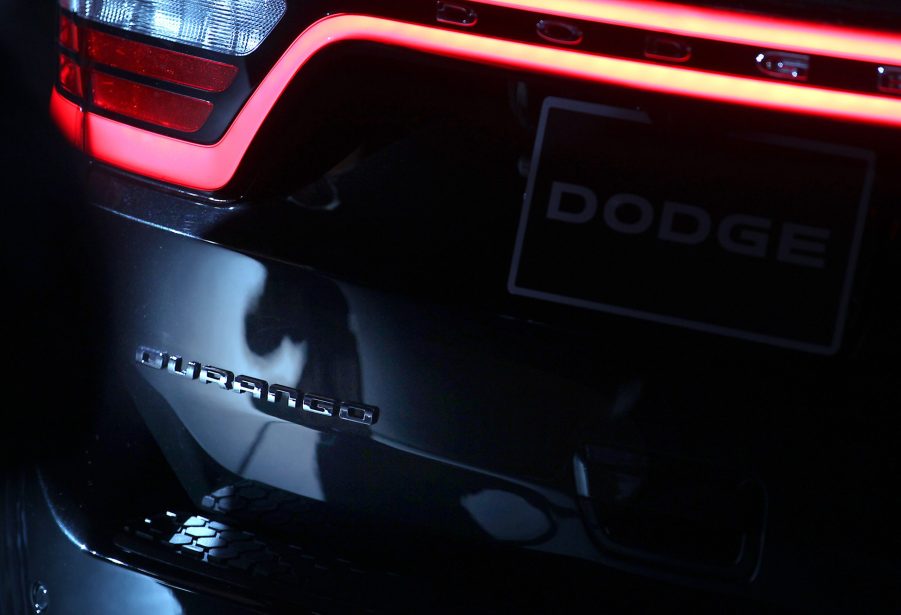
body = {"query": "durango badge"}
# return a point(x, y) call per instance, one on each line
point(317, 405)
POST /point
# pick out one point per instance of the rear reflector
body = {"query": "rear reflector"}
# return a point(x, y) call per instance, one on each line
point(158, 63)
point(70, 76)
point(149, 104)
point(233, 27)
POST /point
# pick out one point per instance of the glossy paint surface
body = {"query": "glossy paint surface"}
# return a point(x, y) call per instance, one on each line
point(476, 439)
point(75, 580)
point(261, 319)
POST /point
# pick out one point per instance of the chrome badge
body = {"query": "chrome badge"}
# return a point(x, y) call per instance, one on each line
point(317, 405)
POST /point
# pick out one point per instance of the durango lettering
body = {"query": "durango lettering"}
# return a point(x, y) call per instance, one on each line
point(259, 389)
point(751, 236)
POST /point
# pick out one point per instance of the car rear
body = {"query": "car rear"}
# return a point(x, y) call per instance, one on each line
point(492, 305)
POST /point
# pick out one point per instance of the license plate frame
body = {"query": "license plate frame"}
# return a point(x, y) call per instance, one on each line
point(846, 231)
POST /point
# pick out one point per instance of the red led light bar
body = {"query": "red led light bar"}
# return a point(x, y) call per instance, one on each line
point(148, 104)
point(210, 167)
point(726, 26)
point(69, 118)
point(159, 63)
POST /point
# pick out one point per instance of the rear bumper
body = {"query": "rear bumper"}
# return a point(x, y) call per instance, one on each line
point(482, 418)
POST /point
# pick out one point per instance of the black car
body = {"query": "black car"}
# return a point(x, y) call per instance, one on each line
point(495, 306)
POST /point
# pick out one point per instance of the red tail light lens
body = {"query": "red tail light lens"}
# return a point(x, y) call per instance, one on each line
point(149, 104)
point(70, 75)
point(68, 33)
point(154, 105)
point(158, 63)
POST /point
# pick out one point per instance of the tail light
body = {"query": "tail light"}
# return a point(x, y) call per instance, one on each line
point(157, 63)
point(149, 104)
point(70, 76)
point(232, 27)
point(148, 83)
point(162, 88)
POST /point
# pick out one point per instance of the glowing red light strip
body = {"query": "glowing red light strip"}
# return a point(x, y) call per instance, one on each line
point(719, 25)
point(211, 167)
point(68, 117)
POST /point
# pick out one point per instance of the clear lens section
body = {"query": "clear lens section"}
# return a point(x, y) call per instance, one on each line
point(235, 27)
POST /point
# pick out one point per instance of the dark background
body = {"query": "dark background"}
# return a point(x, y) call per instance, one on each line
point(52, 283)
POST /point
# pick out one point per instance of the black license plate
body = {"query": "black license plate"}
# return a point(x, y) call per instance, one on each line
point(753, 236)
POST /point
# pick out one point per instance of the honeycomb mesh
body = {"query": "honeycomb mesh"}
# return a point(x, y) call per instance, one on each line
point(319, 582)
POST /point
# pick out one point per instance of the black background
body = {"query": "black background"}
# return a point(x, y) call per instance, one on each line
point(53, 291)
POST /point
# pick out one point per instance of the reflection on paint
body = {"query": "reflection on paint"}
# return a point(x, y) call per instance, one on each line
point(506, 516)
